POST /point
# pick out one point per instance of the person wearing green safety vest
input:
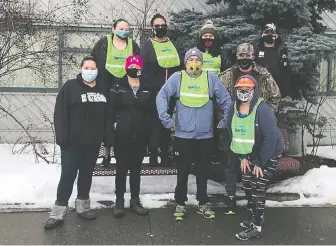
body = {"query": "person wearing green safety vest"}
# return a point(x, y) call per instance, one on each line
point(194, 91)
point(160, 60)
point(213, 61)
point(111, 52)
point(256, 142)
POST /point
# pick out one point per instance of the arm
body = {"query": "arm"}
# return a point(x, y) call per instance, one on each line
point(110, 116)
point(61, 117)
point(162, 99)
point(223, 99)
point(96, 49)
point(268, 127)
point(273, 92)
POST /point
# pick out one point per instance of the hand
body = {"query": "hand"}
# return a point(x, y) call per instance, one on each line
point(257, 171)
point(245, 165)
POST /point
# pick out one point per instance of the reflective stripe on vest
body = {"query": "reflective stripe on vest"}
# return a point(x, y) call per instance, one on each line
point(212, 64)
point(166, 54)
point(243, 131)
point(194, 92)
point(115, 58)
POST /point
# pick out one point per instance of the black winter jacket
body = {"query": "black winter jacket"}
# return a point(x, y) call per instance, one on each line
point(277, 63)
point(80, 114)
point(131, 113)
point(105, 79)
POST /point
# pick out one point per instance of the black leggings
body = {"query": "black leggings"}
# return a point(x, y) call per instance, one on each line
point(129, 156)
point(255, 188)
point(76, 158)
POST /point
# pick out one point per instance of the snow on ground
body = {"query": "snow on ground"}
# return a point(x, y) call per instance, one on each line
point(324, 151)
point(25, 183)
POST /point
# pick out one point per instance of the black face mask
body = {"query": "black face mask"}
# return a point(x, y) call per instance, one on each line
point(269, 39)
point(245, 63)
point(133, 72)
point(161, 32)
point(208, 42)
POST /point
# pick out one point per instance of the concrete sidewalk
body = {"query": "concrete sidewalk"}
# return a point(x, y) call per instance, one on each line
point(283, 226)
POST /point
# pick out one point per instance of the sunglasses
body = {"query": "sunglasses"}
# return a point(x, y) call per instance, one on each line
point(160, 26)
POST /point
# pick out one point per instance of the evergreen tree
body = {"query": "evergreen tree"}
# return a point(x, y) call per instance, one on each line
point(298, 23)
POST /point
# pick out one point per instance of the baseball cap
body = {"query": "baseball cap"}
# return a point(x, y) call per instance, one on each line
point(246, 81)
point(131, 60)
point(245, 48)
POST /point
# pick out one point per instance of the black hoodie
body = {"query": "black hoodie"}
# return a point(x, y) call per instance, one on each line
point(79, 115)
point(131, 113)
point(268, 139)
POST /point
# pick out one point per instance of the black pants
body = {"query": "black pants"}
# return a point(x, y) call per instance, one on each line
point(200, 151)
point(160, 137)
point(76, 158)
point(255, 188)
point(129, 156)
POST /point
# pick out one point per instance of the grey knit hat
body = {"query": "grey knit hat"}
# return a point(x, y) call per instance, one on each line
point(208, 28)
point(193, 52)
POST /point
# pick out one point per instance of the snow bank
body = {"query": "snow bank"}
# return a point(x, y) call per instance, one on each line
point(24, 183)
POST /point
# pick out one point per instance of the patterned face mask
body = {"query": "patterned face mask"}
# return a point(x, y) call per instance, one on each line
point(245, 96)
point(194, 67)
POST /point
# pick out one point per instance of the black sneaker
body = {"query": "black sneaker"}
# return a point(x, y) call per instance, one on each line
point(106, 161)
point(52, 223)
point(231, 206)
point(250, 233)
point(247, 223)
point(136, 206)
point(119, 208)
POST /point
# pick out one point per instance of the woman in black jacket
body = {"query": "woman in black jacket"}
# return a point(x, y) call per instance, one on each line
point(130, 108)
point(79, 120)
point(257, 142)
point(111, 52)
point(161, 59)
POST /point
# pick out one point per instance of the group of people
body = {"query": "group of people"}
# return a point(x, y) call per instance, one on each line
point(129, 98)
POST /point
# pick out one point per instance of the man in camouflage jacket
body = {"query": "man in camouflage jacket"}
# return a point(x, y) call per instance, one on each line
point(269, 91)
point(245, 65)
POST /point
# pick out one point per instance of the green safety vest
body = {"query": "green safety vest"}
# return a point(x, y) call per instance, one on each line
point(166, 54)
point(243, 131)
point(115, 58)
point(212, 64)
point(194, 92)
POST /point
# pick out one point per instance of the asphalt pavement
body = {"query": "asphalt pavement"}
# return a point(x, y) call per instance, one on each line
point(283, 226)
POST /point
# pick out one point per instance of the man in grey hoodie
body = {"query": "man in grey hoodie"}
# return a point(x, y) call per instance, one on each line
point(194, 91)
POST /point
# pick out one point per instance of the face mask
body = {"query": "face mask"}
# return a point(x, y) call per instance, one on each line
point(207, 42)
point(89, 75)
point(133, 72)
point(245, 63)
point(244, 96)
point(269, 39)
point(122, 34)
point(160, 32)
point(194, 67)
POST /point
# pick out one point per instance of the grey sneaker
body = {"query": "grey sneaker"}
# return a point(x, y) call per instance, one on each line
point(180, 212)
point(250, 233)
point(206, 211)
point(247, 223)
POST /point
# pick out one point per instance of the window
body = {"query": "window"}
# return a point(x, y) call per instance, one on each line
point(327, 76)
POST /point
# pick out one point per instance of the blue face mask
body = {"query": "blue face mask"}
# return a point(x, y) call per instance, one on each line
point(89, 75)
point(122, 34)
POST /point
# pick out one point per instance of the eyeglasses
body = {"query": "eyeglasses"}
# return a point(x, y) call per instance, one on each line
point(160, 26)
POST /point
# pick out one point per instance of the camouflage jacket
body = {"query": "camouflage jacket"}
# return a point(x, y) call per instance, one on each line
point(269, 90)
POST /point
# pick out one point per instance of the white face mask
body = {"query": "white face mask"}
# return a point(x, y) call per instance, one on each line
point(89, 75)
point(245, 96)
